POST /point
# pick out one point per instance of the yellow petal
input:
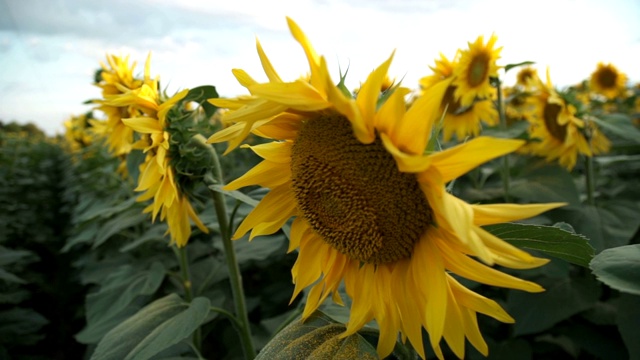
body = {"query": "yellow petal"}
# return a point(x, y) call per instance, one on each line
point(369, 93)
point(477, 302)
point(298, 95)
point(243, 78)
point(144, 125)
point(500, 213)
point(458, 160)
point(414, 130)
point(266, 174)
point(391, 110)
point(406, 162)
point(268, 210)
point(266, 64)
point(278, 152)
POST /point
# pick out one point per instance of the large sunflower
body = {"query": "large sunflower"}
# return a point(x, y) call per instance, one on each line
point(608, 81)
point(560, 133)
point(370, 206)
point(477, 65)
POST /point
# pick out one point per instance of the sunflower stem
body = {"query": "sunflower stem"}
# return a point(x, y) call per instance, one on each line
point(185, 275)
point(235, 276)
point(503, 126)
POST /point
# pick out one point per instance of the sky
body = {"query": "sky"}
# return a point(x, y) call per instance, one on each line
point(50, 49)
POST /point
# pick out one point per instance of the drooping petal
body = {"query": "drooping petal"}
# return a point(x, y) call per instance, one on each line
point(499, 213)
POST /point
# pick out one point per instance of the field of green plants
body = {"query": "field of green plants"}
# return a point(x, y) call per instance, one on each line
point(188, 226)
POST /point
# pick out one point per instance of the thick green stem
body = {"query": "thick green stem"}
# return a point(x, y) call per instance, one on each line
point(505, 159)
point(235, 277)
point(188, 288)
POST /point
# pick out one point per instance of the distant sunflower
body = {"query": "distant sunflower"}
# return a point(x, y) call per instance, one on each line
point(459, 120)
point(560, 132)
point(477, 65)
point(608, 81)
point(527, 78)
point(115, 79)
point(371, 207)
point(78, 134)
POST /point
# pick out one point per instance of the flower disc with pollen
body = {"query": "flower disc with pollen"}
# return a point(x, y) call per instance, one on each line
point(353, 194)
point(551, 112)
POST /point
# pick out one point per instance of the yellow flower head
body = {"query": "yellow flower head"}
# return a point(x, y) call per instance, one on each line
point(458, 119)
point(527, 78)
point(560, 132)
point(608, 81)
point(477, 65)
point(370, 207)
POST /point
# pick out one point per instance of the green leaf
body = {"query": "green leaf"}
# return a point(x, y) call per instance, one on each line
point(511, 66)
point(550, 240)
point(105, 210)
point(119, 223)
point(618, 124)
point(9, 277)
point(120, 289)
point(19, 326)
point(547, 183)
point(173, 330)
point(610, 224)
point(538, 312)
point(628, 320)
point(316, 338)
point(155, 233)
point(159, 325)
point(200, 95)
point(10, 256)
point(619, 268)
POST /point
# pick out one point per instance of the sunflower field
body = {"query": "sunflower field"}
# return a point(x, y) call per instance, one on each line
point(460, 217)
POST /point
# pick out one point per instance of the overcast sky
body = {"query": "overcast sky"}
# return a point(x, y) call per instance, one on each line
point(49, 49)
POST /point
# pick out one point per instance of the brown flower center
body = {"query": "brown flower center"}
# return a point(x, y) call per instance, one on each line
point(607, 78)
point(551, 112)
point(479, 69)
point(353, 195)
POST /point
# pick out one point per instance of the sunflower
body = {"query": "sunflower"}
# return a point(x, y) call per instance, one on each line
point(477, 65)
point(560, 132)
point(608, 81)
point(370, 206)
point(458, 119)
point(157, 177)
point(527, 78)
point(115, 79)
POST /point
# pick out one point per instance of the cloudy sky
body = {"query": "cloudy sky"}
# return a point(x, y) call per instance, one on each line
point(49, 49)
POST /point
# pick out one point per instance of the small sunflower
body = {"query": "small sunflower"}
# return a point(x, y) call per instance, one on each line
point(560, 132)
point(370, 207)
point(527, 78)
point(458, 119)
point(477, 65)
point(608, 81)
